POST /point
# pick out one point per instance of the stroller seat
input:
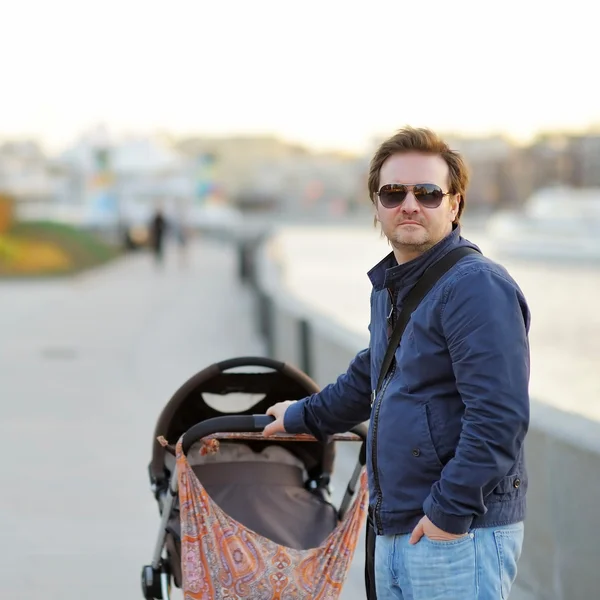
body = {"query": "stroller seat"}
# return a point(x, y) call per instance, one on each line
point(263, 491)
point(268, 495)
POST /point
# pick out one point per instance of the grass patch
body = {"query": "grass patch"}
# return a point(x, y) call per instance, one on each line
point(42, 248)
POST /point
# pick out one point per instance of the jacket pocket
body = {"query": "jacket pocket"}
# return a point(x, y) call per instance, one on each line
point(507, 488)
point(426, 420)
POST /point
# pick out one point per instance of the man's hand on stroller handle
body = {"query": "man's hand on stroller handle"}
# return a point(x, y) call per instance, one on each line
point(277, 411)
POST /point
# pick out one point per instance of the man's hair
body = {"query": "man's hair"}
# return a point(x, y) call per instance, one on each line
point(411, 139)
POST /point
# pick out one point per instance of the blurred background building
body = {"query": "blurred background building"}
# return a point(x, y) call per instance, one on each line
point(99, 177)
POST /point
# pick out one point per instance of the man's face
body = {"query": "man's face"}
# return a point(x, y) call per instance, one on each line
point(411, 228)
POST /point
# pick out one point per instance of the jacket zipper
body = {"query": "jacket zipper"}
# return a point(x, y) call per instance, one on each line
point(376, 514)
point(390, 318)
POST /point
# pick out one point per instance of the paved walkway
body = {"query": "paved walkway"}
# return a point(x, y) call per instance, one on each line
point(85, 367)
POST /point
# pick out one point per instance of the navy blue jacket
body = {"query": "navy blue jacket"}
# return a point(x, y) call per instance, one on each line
point(446, 431)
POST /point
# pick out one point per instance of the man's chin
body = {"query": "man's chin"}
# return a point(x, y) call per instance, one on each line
point(406, 238)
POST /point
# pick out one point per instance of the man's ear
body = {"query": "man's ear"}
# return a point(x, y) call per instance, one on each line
point(456, 200)
point(375, 214)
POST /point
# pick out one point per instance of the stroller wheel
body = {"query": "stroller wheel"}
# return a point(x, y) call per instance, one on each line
point(152, 587)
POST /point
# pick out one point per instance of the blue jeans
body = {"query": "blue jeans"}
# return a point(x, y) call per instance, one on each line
point(479, 566)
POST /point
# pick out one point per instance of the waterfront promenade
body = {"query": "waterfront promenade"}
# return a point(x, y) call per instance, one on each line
point(86, 365)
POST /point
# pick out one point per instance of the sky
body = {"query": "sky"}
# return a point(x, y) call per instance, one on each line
point(329, 74)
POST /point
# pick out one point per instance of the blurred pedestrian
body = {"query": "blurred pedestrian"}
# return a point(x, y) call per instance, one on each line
point(158, 227)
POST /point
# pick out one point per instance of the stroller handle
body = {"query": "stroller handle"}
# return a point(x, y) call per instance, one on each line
point(238, 424)
point(250, 361)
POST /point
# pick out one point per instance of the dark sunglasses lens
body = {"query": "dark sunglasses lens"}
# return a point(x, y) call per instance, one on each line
point(428, 195)
point(392, 196)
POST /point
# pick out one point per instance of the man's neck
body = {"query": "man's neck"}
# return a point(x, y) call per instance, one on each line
point(405, 254)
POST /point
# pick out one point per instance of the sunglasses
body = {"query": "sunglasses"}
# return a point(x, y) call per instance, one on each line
point(428, 195)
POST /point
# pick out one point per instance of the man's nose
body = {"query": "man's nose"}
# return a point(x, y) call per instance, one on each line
point(410, 204)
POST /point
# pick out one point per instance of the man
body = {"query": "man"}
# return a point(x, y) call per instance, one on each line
point(158, 225)
point(447, 478)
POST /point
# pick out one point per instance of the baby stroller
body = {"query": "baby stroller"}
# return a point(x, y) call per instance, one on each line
point(278, 487)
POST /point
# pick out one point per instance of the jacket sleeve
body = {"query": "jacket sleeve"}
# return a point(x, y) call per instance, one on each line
point(339, 406)
point(485, 321)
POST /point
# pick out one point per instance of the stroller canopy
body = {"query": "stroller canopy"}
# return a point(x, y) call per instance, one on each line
point(273, 380)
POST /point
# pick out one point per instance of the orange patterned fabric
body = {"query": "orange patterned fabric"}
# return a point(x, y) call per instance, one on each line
point(223, 560)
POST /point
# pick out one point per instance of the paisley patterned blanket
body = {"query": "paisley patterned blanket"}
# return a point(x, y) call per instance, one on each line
point(223, 560)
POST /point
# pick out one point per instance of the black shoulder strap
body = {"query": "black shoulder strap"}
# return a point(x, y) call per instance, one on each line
point(413, 298)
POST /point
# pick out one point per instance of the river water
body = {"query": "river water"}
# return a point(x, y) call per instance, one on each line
point(326, 267)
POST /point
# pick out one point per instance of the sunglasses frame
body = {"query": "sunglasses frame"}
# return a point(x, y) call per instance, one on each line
point(410, 188)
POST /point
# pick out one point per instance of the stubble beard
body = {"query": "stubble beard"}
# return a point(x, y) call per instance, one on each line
point(411, 244)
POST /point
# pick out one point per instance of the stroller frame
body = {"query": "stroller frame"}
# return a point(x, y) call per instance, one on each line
point(156, 577)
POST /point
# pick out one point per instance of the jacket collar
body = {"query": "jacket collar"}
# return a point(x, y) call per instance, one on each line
point(388, 273)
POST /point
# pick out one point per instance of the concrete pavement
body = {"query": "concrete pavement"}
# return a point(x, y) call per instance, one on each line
point(86, 365)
